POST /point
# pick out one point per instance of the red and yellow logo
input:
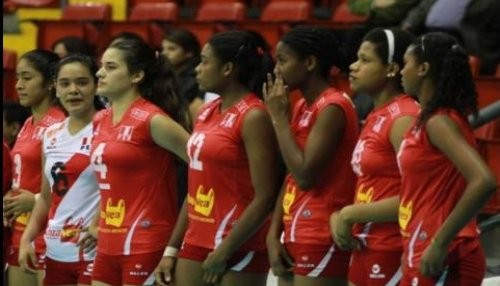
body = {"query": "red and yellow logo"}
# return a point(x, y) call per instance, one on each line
point(114, 214)
point(204, 202)
point(364, 196)
point(405, 211)
point(288, 199)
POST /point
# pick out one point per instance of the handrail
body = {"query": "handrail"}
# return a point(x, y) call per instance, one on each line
point(485, 115)
point(489, 223)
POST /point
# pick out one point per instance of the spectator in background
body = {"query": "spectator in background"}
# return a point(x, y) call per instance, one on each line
point(72, 45)
point(182, 50)
point(14, 116)
point(480, 31)
point(383, 13)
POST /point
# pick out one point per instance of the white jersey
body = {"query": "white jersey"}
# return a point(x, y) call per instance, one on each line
point(74, 189)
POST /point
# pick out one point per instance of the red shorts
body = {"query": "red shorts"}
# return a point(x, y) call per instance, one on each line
point(66, 273)
point(467, 270)
point(319, 260)
point(375, 268)
point(248, 262)
point(13, 259)
point(135, 269)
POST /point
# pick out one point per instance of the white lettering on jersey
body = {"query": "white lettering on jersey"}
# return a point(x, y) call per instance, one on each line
point(196, 140)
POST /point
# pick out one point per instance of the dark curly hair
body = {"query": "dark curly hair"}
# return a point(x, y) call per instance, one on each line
point(252, 61)
point(319, 42)
point(450, 72)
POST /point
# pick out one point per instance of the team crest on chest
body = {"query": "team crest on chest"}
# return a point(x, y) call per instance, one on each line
point(229, 120)
point(378, 123)
point(86, 141)
point(305, 119)
point(125, 133)
point(38, 134)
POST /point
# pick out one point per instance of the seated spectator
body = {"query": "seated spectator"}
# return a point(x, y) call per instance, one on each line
point(383, 13)
point(72, 45)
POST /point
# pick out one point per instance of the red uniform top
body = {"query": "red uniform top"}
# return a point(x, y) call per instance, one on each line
point(220, 186)
point(306, 213)
point(374, 162)
point(431, 187)
point(27, 167)
point(137, 182)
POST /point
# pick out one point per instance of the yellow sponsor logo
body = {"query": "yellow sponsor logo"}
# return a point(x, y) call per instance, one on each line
point(204, 202)
point(114, 214)
point(405, 214)
point(364, 196)
point(289, 198)
point(23, 218)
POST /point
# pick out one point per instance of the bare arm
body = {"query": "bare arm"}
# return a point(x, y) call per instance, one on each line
point(445, 135)
point(261, 151)
point(35, 223)
point(40, 210)
point(306, 165)
point(170, 135)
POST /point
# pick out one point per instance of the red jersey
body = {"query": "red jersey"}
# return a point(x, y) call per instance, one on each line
point(374, 162)
point(27, 166)
point(431, 187)
point(306, 213)
point(220, 186)
point(137, 182)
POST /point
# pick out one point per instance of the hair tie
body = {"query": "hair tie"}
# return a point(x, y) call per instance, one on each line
point(260, 51)
point(390, 45)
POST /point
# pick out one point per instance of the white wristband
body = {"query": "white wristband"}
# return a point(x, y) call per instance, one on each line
point(170, 251)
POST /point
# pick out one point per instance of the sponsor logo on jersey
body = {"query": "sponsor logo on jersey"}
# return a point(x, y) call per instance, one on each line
point(405, 210)
point(375, 274)
point(204, 201)
point(394, 109)
point(71, 230)
point(114, 214)
point(288, 199)
point(363, 195)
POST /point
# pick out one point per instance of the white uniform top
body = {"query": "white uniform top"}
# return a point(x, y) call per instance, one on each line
point(75, 193)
